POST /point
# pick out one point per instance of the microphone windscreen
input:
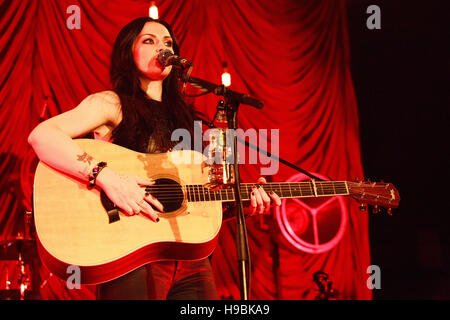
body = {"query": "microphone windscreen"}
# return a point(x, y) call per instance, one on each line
point(163, 56)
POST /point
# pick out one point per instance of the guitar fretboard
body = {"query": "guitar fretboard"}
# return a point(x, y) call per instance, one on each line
point(197, 193)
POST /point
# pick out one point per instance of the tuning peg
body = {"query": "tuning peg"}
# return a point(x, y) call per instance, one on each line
point(363, 207)
point(375, 209)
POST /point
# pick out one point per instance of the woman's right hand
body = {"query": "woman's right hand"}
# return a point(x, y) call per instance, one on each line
point(126, 192)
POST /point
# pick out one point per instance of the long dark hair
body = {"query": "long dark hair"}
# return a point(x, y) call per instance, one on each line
point(142, 118)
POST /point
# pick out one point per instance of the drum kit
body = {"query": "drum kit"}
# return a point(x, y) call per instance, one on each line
point(17, 262)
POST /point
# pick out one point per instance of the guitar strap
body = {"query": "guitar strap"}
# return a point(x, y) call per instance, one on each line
point(111, 209)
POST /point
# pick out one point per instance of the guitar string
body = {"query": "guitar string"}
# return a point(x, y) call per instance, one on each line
point(243, 187)
point(199, 192)
point(209, 194)
point(199, 196)
point(177, 200)
point(269, 186)
point(216, 195)
point(265, 184)
point(305, 184)
point(247, 186)
point(204, 189)
point(201, 188)
point(247, 190)
point(300, 183)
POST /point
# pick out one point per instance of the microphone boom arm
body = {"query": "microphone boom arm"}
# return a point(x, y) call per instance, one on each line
point(221, 90)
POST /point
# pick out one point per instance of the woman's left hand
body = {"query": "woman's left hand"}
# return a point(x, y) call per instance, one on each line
point(260, 201)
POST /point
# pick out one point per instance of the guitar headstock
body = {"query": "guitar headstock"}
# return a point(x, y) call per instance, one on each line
point(378, 194)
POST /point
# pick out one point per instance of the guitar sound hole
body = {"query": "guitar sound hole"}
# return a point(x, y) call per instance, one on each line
point(168, 192)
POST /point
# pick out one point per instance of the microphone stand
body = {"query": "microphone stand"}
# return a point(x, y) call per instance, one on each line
point(241, 230)
point(232, 101)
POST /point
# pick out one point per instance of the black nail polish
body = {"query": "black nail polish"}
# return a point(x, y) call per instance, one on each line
point(157, 219)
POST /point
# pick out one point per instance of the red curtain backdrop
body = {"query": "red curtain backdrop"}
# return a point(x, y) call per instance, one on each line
point(293, 55)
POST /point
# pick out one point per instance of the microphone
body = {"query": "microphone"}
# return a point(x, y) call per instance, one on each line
point(167, 58)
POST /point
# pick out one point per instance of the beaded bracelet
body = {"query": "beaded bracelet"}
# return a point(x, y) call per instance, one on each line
point(95, 171)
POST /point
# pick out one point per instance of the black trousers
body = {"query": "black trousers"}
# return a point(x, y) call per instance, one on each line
point(171, 280)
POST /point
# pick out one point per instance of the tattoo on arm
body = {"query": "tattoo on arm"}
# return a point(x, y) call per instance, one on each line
point(86, 159)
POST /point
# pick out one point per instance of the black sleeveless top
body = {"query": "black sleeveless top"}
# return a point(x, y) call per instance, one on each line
point(148, 131)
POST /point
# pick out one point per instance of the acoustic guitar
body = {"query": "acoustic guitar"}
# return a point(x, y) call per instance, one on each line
point(79, 226)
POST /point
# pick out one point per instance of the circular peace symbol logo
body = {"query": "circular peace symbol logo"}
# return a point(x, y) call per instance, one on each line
point(312, 225)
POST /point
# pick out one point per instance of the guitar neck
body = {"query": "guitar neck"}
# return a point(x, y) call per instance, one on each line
point(305, 189)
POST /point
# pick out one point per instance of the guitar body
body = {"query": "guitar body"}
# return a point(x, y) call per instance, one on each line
point(73, 228)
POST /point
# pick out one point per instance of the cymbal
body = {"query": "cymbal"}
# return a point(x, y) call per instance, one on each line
point(18, 248)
